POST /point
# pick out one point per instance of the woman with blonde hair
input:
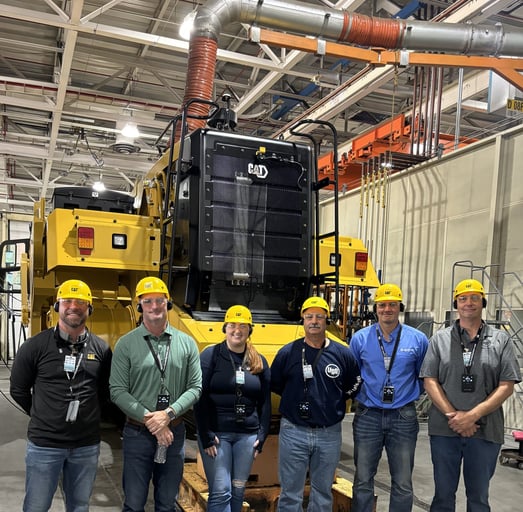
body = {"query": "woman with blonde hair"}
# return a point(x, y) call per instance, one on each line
point(233, 414)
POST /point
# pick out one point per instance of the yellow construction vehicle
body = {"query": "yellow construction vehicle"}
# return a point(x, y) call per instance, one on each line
point(223, 219)
point(230, 221)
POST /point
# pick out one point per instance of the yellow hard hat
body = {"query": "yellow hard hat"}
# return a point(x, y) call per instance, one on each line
point(74, 289)
point(315, 302)
point(388, 292)
point(469, 286)
point(151, 285)
point(238, 314)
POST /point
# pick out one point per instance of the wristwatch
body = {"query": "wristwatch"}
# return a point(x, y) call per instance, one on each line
point(170, 412)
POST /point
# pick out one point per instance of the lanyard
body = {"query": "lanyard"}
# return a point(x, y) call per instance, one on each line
point(161, 365)
point(394, 350)
point(77, 365)
point(239, 374)
point(240, 367)
point(304, 364)
point(469, 359)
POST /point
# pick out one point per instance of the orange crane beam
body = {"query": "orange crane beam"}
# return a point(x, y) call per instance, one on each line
point(508, 68)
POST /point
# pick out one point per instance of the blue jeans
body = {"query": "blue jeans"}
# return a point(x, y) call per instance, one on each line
point(139, 446)
point(44, 466)
point(301, 449)
point(479, 463)
point(397, 431)
point(229, 471)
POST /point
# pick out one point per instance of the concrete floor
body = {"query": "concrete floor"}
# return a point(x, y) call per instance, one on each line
point(506, 487)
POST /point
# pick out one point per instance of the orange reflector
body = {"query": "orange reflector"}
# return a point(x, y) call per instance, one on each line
point(85, 240)
point(360, 263)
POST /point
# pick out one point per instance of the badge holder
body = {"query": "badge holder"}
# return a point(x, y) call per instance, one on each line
point(72, 411)
point(162, 402)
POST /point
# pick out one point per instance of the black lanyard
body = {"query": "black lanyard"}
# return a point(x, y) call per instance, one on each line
point(313, 366)
point(464, 350)
point(162, 365)
point(394, 350)
point(241, 367)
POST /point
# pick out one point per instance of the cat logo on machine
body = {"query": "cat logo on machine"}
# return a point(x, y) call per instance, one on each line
point(259, 170)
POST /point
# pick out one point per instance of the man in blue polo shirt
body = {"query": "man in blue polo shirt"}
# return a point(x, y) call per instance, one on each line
point(314, 376)
point(390, 356)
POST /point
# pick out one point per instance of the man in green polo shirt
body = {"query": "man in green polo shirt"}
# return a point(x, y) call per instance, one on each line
point(155, 378)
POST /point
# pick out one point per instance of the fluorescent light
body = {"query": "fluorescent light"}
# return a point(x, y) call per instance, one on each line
point(187, 26)
point(130, 130)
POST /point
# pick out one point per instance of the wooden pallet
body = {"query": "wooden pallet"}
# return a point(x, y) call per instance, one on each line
point(193, 494)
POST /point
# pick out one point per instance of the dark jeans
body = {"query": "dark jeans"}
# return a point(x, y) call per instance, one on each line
point(139, 467)
point(479, 463)
point(396, 430)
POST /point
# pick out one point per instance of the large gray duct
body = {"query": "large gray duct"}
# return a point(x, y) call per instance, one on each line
point(335, 25)
point(346, 27)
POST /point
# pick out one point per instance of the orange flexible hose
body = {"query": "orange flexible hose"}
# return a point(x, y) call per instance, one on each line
point(200, 78)
point(372, 32)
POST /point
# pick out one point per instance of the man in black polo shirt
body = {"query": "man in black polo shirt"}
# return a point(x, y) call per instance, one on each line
point(60, 377)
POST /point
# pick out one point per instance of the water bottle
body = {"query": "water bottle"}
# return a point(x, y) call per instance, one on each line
point(161, 454)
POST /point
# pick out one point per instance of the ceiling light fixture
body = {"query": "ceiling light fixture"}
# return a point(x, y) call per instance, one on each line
point(187, 25)
point(130, 130)
point(98, 186)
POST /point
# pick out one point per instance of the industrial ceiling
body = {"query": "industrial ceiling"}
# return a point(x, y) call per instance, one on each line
point(74, 72)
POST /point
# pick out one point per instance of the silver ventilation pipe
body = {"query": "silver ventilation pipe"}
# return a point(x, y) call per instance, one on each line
point(345, 27)
point(335, 25)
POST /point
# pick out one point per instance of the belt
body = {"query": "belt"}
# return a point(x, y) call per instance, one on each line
point(140, 425)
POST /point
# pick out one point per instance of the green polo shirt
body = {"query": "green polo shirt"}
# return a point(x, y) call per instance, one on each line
point(135, 380)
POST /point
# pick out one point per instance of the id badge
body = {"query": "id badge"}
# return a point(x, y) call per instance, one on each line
point(72, 411)
point(387, 395)
point(468, 383)
point(162, 402)
point(307, 371)
point(70, 363)
point(240, 377)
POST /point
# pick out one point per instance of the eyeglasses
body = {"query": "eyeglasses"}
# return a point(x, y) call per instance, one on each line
point(159, 301)
point(311, 316)
point(78, 302)
point(233, 326)
point(383, 305)
point(473, 298)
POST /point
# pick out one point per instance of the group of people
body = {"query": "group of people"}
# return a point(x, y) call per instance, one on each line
point(64, 376)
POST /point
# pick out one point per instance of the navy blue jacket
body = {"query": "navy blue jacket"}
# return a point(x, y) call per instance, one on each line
point(215, 411)
point(336, 378)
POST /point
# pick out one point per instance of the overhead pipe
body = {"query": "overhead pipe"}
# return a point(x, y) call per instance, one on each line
point(415, 113)
point(437, 109)
point(335, 25)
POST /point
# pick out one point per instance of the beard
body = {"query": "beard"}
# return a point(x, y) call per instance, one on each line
point(74, 320)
